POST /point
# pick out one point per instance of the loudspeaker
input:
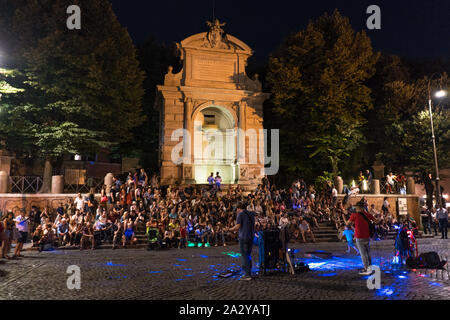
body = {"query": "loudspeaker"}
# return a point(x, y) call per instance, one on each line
point(272, 245)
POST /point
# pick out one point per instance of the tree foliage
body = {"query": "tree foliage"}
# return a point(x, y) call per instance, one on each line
point(81, 89)
point(406, 123)
point(317, 79)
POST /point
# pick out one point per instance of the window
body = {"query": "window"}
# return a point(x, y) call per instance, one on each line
point(210, 119)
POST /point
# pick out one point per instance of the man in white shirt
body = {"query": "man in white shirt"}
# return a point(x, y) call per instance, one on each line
point(22, 227)
point(334, 196)
point(390, 182)
point(79, 202)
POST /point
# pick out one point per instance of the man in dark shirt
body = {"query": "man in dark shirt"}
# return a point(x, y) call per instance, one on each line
point(35, 218)
point(245, 223)
point(425, 214)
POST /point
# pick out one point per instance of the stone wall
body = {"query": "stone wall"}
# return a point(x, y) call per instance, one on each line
point(15, 202)
point(412, 202)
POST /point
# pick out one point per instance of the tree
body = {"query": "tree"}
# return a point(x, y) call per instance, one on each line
point(154, 58)
point(318, 78)
point(407, 130)
point(82, 89)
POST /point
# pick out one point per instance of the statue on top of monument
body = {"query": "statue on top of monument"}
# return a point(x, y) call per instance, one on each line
point(216, 37)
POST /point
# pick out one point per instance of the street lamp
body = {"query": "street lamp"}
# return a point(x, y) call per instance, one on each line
point(439, 94)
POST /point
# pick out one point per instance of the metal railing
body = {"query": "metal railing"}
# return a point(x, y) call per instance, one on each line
point(90, 183)
point(25, 184)
point(33, 185)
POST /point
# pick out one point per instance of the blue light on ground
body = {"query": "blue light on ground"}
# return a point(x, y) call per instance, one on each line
point(182, 260)
point(333, 263)
point(327, 275)
point(385, 292)
point(188, 275)
point(436, 284)
point(153, 272)
point(110, 264)
point(402, 277)
point(187, 269)
point(203, 256)
point(117, 277)
point(177, 265)
point(179, 280)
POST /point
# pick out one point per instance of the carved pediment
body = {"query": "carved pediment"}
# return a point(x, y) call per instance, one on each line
point(215, 38)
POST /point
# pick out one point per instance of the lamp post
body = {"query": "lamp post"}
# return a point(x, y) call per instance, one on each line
point(439, 94)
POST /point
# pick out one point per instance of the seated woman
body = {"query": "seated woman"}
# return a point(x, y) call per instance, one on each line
point(87, 234)
point(75, 233)
point(305, 229)
point(37, 235)
point(152, 234)
point(118, 233)
point(47, 241)
point(128, 234)
point(219, 235)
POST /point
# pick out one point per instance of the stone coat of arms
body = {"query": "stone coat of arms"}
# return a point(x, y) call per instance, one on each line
point(216, 37)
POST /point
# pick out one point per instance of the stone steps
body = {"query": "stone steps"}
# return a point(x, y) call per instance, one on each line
point(325, 233)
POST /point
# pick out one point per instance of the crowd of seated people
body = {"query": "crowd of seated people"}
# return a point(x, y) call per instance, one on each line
point(174, 217)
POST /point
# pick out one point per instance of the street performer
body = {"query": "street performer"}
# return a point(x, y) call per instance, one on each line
point(363, 225)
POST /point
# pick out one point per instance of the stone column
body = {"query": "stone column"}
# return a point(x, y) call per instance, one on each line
point(57, 184)
point(108, 182)
point(378, 170)
point(4, 182)
point(375, 187)
point(339, 184)
point(410, 186)
point(187, 145)
point(241, 148)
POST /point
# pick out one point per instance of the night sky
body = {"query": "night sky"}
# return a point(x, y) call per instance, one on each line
point(415, 28)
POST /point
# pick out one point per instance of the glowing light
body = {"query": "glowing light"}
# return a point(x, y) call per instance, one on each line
point(440, 94)
point(316, 265)
point(365, 188)
point(353, 184)
point(402, 277)
point(232, 254)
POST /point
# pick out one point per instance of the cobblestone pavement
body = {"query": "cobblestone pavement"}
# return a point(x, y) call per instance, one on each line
point(192, 274)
